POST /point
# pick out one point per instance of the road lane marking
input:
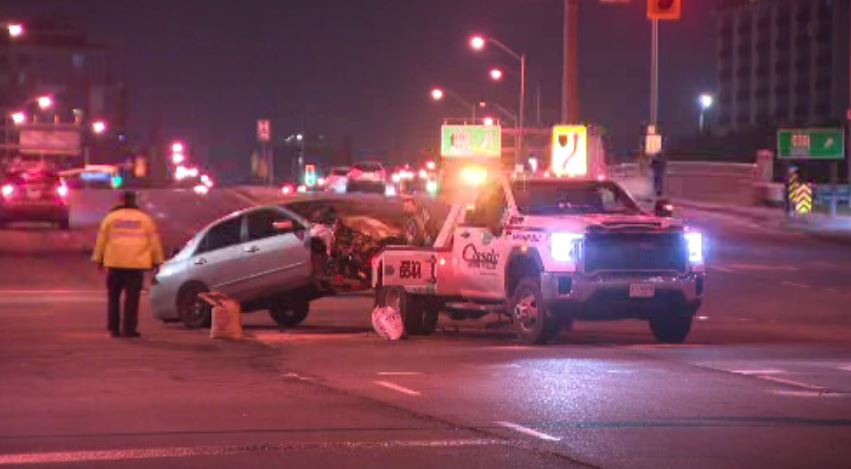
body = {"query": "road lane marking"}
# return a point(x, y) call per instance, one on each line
point(767, 371)
point(126, 454)
point(528, 431)
point(793, 383)
point(397, 388)
point(845, 368)
point(796, 284)
point(721, 269)
point(783, 392)
point(774, 268)
point(399, 373)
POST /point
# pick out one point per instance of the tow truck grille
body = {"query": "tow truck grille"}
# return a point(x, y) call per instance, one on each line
point(642, 252)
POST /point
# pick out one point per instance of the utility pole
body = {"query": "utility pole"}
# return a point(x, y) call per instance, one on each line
point(654, 73)
point(570, 77)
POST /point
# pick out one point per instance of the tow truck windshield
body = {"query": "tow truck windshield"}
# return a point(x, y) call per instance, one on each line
point(564, 197)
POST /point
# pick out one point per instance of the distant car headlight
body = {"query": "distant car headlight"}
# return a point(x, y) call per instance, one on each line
point(694, 244)
point(566, 247)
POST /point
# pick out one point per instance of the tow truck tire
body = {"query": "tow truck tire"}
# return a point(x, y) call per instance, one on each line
point(431, 315)
point(533, 322)
point(193, 311)
point(671, 330)
point(290, 314)
point(409, 307)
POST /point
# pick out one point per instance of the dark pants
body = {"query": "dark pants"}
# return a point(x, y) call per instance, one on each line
point(130, 281)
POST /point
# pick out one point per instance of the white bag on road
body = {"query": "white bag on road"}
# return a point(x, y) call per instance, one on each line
point(387, 322)
point(227, 316)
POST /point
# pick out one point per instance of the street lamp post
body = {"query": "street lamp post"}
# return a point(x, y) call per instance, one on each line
point(705, 101)
point(478, 43)
point(438, 94)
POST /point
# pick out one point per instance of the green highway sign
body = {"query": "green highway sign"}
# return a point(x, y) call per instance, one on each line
point(459, 141)
point(811, 144)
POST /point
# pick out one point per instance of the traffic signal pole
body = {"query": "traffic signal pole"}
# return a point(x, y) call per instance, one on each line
point(654, 73)
point(570, 72)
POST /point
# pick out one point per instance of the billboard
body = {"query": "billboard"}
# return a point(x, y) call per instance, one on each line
point(459, 141)
point(50, 141)
point(570, 150)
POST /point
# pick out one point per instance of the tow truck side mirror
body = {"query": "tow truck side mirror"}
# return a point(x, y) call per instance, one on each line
point(663, 208)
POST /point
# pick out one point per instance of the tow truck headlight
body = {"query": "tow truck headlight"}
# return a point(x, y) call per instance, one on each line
point(566, 247)
point(694, 244)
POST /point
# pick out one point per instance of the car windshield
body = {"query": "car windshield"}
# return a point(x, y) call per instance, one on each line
point(572, 197)
point(368, 166)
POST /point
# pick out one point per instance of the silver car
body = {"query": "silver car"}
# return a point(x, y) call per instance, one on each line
point(258, 256)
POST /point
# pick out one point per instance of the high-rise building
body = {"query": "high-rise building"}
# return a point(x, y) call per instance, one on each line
point(782, 63)
point(52, 57)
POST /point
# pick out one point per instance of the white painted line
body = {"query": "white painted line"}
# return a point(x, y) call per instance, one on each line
point(721, 269)
point(787, 393)
point(767, 371)
point(399, 373)
point(774, 268)
point(51, 292)
point(793, 383)
point(397, 388)
point(796, 284)
point(528, 431)
point(197, 451)
point(845, 368)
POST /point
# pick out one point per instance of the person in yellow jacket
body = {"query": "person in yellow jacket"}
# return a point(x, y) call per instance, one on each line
point(128, 245)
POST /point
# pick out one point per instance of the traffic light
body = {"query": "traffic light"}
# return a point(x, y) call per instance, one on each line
point(309, 175)
point(665, 10)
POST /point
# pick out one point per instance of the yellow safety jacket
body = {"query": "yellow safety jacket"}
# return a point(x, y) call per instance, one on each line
point(128, 239)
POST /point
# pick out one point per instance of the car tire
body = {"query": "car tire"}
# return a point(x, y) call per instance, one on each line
point(409, 307)
point(290, 314)
point(671, 330)
point(533, 322)
point(193, 311)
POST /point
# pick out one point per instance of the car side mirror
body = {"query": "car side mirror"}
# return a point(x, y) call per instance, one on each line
point(284, 225)
point(663, 208)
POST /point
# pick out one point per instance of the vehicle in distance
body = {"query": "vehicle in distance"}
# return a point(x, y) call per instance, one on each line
point(367, 176)
point(337, 179)
point(545, 252)
point(34, 195)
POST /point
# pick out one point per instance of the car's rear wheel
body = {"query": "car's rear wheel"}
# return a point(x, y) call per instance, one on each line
point(290, 314)
point(671, 330)
point(193, 311)
point(533, 322)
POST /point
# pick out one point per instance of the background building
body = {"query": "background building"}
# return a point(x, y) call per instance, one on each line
point(782, 63)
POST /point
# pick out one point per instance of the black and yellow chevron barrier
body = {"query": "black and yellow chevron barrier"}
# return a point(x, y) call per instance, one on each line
point(801, 195)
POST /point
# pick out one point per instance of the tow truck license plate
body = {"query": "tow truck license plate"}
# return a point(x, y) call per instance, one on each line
point(641, 290)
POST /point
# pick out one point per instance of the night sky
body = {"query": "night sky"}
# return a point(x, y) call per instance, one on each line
point(206, 69)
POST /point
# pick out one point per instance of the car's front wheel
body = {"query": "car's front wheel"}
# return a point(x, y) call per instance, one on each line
point(193, 311)
point(533, 322)
point(290, 314)
point(671, 330)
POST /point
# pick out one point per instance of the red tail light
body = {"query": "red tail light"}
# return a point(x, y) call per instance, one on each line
point(62, 191)
point(8, 191)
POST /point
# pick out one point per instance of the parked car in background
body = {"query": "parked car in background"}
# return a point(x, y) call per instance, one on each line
point(34, 195)
point(367, 176)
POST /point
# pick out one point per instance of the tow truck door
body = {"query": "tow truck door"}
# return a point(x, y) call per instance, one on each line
point(477, 251)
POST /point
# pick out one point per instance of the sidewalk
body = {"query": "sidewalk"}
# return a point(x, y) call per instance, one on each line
point(817, 225)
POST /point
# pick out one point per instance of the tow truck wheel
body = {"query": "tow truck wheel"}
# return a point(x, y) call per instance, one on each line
point(671, 330)
point(289, 314)
point(430, 316)
point(193, 311)
point(408, 306)
point(533, 322)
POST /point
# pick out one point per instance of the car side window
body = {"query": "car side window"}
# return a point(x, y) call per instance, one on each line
point(261, 224)
point(226, 233)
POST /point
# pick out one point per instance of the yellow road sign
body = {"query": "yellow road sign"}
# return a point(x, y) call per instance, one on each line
point(570, 150)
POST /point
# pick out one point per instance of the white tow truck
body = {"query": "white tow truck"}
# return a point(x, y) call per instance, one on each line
point(546, 251)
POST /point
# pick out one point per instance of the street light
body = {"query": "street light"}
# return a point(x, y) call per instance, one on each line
point(705, 101)
point(98, 127)
point(16, 30)
point(496, 74)
point(45, 102)
point(488, 121)
point(437, 94)
point(478, 43)
point(19, 117)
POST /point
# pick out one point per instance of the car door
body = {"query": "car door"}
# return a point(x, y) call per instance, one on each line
point(218, 260)
point(276, 251)
point(478, 254)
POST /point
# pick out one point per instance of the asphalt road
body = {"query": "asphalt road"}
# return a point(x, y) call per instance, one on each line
point(764, 380)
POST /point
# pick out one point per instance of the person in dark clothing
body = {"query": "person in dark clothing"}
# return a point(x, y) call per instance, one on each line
point(128, 245)
point(658, 165)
